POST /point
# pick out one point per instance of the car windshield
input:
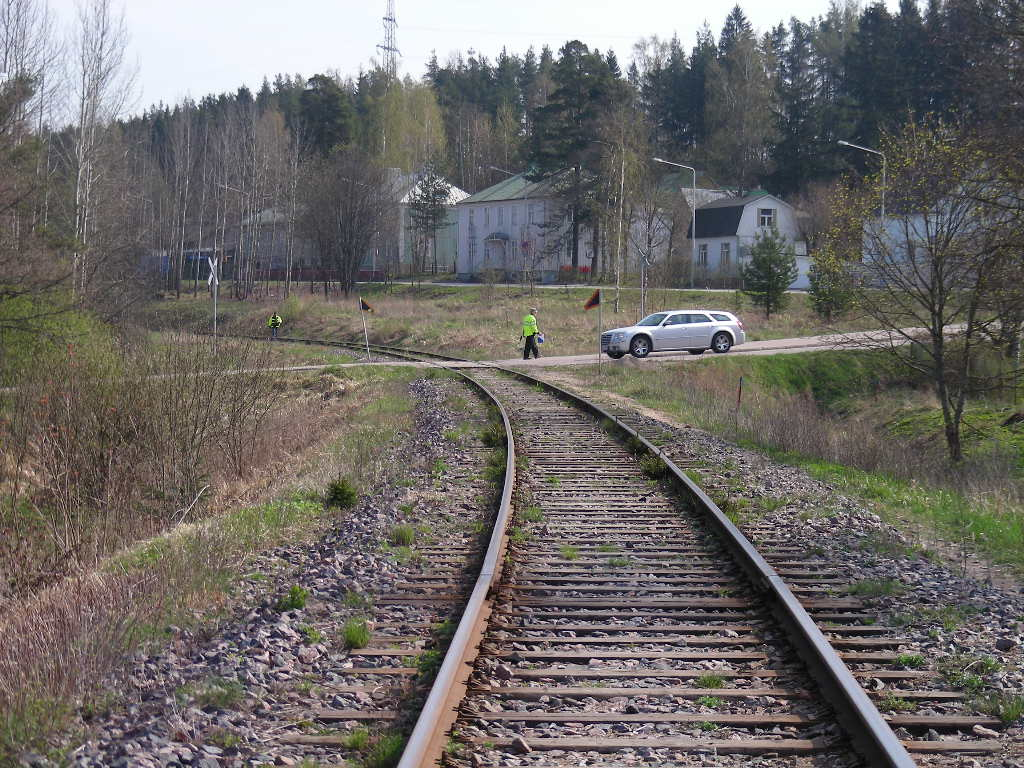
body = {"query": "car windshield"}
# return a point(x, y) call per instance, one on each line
point(654, 319)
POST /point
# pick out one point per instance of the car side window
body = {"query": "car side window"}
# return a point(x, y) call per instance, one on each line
point(721, 318)
point(675, 320)
point(700, 319)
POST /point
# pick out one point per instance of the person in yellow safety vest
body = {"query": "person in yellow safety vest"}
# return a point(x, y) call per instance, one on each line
point(274, 323)
point(530, 333)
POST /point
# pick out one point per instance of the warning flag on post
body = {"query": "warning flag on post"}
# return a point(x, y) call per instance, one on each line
point(364, 306)
point(594, 300)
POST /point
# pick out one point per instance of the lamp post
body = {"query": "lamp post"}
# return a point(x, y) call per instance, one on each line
point(693, 209)
point(873, 152)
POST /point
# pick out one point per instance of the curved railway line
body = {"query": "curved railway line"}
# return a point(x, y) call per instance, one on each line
point(620, 618)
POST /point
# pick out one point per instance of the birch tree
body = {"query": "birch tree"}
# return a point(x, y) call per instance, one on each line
point(102, 87)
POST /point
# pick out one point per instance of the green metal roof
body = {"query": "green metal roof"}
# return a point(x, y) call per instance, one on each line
point(516, 187)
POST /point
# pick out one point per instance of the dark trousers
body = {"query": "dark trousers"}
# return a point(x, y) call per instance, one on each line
point(531, 346)
point(273, 331)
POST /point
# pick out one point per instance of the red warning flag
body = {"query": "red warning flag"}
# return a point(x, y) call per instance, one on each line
point(594, 300)
point(364, 306)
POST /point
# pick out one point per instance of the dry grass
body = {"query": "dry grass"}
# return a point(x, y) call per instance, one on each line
point(58, 642)
point(977, 504)
point(480, 321)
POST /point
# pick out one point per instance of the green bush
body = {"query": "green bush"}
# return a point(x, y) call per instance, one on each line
point(295, 599)
point(341, 494)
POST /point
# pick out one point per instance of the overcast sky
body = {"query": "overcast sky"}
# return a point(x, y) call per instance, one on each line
point(194, 47)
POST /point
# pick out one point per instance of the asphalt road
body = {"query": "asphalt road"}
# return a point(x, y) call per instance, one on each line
point(861, 340)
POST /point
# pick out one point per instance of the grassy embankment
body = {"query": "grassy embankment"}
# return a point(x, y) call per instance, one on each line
point(64, 628)
point(474, 321)
point(859, 422)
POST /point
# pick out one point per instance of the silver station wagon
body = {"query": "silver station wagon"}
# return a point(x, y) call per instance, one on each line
point(694, 330)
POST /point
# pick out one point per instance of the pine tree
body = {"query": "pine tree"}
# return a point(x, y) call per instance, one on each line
point(327, 114)
point(563, 145)
point(770, 271)
point(795, 154)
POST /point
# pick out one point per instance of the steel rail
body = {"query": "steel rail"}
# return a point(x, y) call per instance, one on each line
point(429, 736)
point(869, 733)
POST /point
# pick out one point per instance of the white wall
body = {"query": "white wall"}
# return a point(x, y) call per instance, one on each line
point(497, 217)
point(747, 230)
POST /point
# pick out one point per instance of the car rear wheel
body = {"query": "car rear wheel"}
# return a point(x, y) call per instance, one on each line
point(615, 355)
point(695, 351)
point(722, 342)
point(640, 346)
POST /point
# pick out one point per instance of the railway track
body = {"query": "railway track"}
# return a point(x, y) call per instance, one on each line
point(630, 622)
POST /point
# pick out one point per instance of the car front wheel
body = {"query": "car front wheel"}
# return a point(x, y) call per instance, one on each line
point(640, 347)
point(722, 342)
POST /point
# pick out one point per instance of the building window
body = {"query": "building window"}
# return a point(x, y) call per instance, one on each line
point(471, 217)
point(726, 256)
point(487, 217)
point(766, 217)
point(702, 254)
point(501, 217)
point(515, 217)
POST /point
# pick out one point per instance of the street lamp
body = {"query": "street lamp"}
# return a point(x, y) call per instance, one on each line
point(873, 152)
point(693, 209)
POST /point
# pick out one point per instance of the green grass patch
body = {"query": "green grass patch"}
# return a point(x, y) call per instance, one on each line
point(359, 739)
point(569, 552)
point(295, 600)
point(909, 660)
point(310, 634)
point(653, 467)
point(618, 562)
point(385, 752)
point(402, 536)
point(893, 703)
point(215, 693)
point(493, 435)
point(710, 681)
point(1007, 706)
point(711, 702)
point(988, 526)
point(533, 515)
point(356, 633)
point(872, 588)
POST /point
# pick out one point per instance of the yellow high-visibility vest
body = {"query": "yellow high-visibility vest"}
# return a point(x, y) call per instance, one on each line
point(530, 326)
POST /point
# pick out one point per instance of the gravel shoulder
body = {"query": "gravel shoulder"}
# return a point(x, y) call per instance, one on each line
point(236, 692)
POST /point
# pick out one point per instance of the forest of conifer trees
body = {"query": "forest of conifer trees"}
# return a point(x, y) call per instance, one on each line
point(89, 189)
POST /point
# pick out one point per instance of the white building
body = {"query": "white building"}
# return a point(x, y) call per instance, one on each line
point(727, 228)
point(515, 228)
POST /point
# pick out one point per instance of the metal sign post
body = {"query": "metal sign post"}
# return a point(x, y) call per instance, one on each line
point(214, 282)
point(366, 337)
